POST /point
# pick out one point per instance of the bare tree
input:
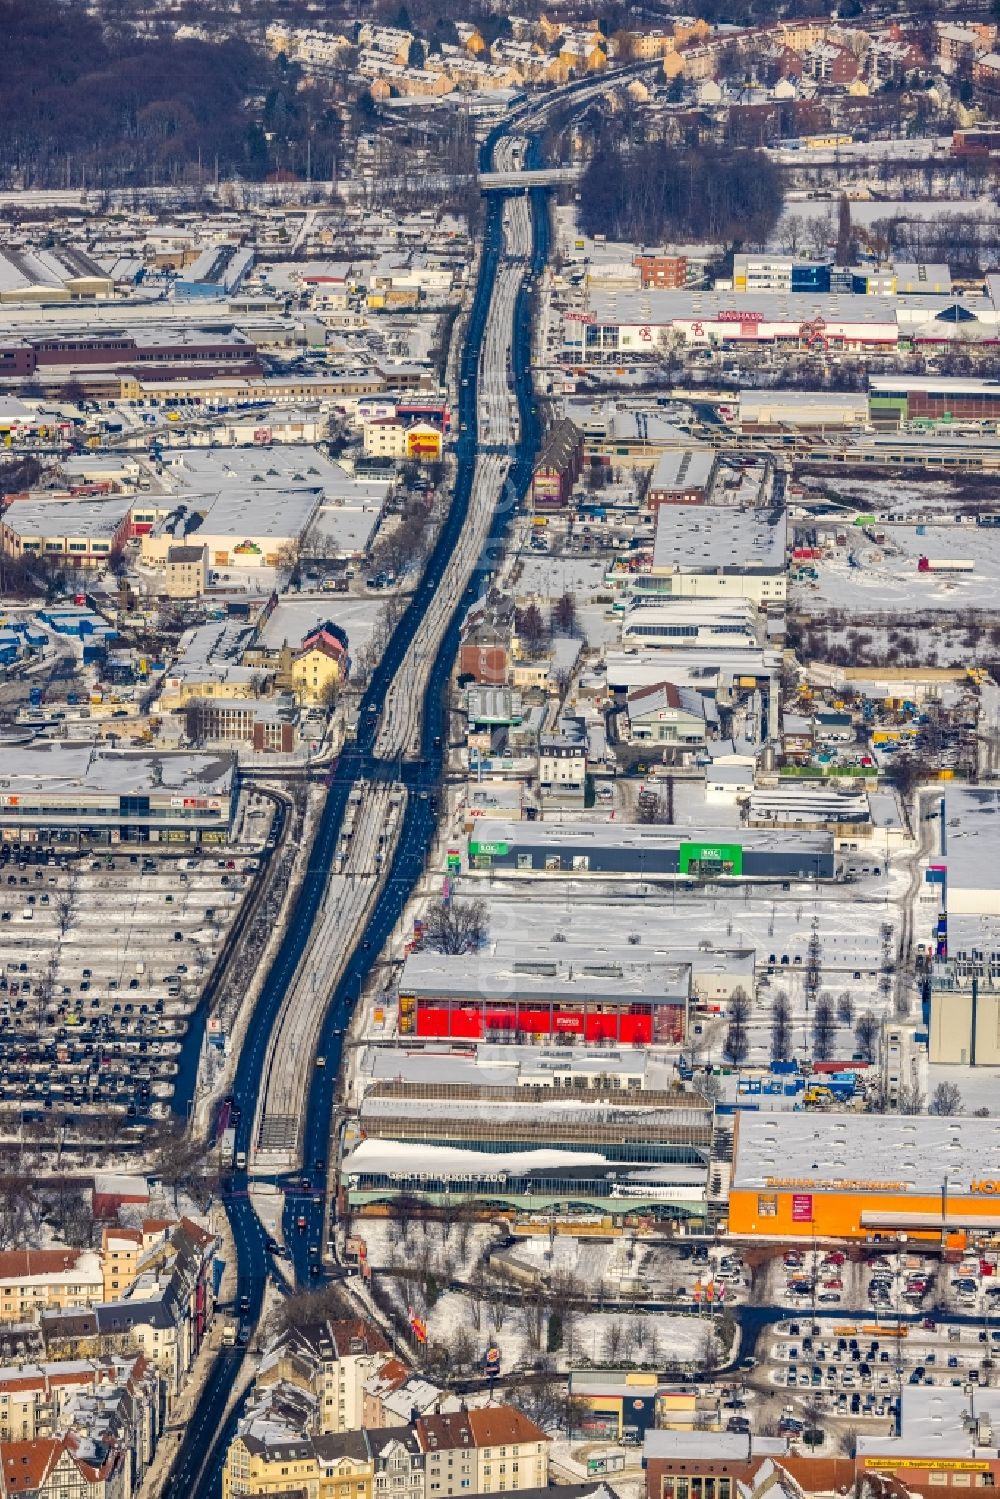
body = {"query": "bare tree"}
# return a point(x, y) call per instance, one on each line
point(866, 1034)
point(824, 1028)
point(531, 628)
point(65, 902)
point(477, 1294)
point(946, 1099)
point(564, 620)
point(456, 926)
point(911, 1100)
point(781, 1027)
point(736, 1046)
point(533, 1313)
point(845, 1008)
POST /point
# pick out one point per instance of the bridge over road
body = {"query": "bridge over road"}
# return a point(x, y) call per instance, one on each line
point(521, 181)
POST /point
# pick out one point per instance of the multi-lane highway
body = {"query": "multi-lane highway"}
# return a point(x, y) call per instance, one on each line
point(403, 713)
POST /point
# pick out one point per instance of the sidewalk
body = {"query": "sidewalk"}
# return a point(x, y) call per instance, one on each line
point(184, 1405)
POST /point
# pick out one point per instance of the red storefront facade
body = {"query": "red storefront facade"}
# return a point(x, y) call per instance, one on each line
point(637, 1023)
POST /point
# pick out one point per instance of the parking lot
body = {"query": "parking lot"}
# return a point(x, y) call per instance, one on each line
point(863, 1326)
point(105, 955)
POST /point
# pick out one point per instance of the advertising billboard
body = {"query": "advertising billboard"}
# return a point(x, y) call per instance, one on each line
point(711, 858)
point(802, 1207)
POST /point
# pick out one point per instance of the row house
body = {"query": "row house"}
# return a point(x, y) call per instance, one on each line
point(165, 1316)
point(488, 1451)
point(67, 1467)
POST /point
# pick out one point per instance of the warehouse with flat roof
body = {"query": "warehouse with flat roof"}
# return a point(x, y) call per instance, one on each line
point(636, 1000)
point(721, 551)
point(63, 793)
point(640, 851)
point(864, 1176)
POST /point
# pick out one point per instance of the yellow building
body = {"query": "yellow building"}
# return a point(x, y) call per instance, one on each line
point(317, 672)
point(38, 1280)
point(691, 31)
point(187, 572)
point(324, 1467)
point(385, 437)
point(645, 46)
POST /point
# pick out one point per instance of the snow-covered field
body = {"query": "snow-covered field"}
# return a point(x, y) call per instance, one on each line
point(866, 577)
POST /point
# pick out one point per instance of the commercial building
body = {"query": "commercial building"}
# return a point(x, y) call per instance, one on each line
point(633, 324)
point(73, 533)
point(970, 850)
point(902, 398)
point(143, 352)
point(945, 1442)
point(669, 271)
point(266, 724)
point(59, 274)
point(643, 852)
point(532, 998)
point(62, 793)
point(728, 624)
point(721, 551)
point(675, 717)
point(864, 1176)
point(388, 437)
point(682, 476)
point(239, 527)
point(756, 273)
point(704, 1464)
point(218, 272)
point(511, 1147)
point(763, 410)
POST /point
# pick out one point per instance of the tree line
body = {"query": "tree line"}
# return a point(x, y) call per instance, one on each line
point(649, 193)
point(97, 106)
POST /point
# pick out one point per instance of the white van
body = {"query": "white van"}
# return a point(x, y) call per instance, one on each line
point(27, 914)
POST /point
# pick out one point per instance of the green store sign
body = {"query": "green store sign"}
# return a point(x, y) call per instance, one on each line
point(475, 849)
point(711, 858)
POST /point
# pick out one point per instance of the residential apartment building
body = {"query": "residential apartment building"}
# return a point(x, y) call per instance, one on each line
point(65, 1467)
point(398, 1463)
point(489, 1451)
point(165, 1315)
point(331, 1361)
point(269, 1461)
point(187, 572)
point(38, 1280)
point(558, 467)
point(321, 665)
point(562, 762)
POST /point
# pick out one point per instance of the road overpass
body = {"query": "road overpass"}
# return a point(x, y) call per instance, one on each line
point(520, 182)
